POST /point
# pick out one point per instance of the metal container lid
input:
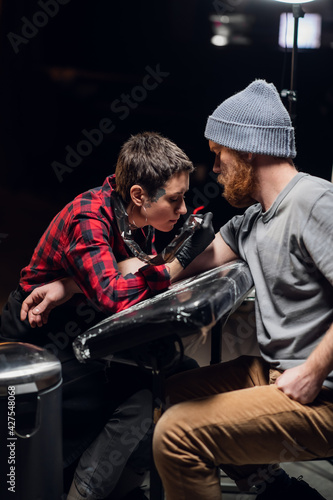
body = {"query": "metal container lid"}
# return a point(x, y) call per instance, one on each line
point(27, 366)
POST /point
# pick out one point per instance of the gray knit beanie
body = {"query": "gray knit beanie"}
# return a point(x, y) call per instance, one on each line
point(255, 121)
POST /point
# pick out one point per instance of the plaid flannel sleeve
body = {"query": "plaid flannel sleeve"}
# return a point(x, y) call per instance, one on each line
point(88, 257)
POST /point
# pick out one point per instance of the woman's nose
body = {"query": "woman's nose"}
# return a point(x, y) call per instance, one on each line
point(182, 208)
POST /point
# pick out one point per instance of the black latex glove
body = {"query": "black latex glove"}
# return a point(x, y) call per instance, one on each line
point(198, 241)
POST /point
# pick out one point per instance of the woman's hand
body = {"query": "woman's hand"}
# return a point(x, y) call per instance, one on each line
point(198, 242)
point(38, 305)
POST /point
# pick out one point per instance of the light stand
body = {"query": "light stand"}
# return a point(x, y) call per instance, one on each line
point(292, 93)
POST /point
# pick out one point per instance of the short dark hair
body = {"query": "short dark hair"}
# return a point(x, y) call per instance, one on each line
point(149, 160)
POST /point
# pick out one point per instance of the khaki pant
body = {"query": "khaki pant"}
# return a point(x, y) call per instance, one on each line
point(242, 423)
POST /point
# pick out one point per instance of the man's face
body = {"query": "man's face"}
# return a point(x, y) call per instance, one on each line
point(235, 174)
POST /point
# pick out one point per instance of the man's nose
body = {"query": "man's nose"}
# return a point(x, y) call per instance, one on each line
point(216, 166)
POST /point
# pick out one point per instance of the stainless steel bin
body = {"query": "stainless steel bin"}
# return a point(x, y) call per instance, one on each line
point(30, 423)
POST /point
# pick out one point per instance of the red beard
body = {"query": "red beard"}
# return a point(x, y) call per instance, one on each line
point(238, 181)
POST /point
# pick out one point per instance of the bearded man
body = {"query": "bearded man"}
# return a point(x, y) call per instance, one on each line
point(248, 415)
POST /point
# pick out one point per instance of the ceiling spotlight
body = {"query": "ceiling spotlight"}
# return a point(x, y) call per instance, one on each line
point(219, 40)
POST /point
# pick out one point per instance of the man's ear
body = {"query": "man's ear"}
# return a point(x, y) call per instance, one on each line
point(137, 195)
point(251, 156)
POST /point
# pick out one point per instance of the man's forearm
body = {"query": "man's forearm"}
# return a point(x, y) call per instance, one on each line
point(175, 269)
point(304, 382)
point(321, 359)
point(130, 266)
point(216, 254)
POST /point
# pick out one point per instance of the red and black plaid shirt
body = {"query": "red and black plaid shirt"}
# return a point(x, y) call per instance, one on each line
point(83, 241)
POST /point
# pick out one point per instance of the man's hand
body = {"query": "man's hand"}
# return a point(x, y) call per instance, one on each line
point(304, 382)
point(38, 305)
point(300, 383)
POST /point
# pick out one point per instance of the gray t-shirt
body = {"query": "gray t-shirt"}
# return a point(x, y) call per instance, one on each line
point(289, 251)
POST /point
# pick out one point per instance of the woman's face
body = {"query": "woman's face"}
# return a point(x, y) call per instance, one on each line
point(164, 209)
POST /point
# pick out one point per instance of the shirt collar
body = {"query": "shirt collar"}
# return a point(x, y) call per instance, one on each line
point(267, 216)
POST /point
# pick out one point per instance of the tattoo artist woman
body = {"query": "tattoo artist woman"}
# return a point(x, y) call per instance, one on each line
point(82, 259)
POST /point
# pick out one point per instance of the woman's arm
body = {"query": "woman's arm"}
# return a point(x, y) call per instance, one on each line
point(38, 305)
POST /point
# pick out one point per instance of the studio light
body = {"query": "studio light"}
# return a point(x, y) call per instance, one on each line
point(309, 31)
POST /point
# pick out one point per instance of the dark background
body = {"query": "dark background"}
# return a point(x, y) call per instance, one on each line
point(62, 71)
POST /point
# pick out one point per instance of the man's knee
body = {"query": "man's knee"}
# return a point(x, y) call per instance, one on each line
point(167, 433)
point(160, 432)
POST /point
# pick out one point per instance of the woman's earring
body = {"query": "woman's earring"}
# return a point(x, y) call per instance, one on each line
point(133, 224)
point(146, 221)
